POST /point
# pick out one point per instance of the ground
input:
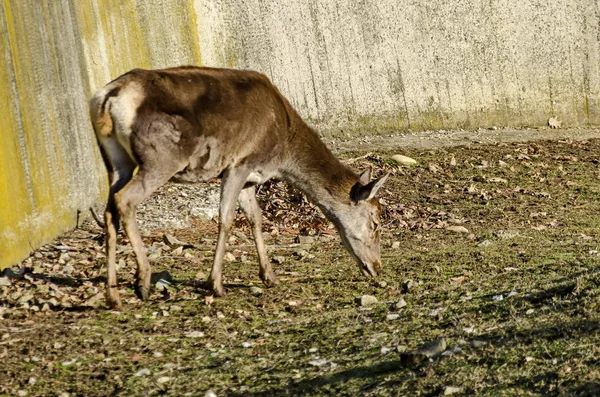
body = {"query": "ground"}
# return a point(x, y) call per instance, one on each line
point(490, 250)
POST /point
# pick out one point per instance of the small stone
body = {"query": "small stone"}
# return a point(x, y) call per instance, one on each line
point(162, 285)
point(401, 303)
point(256, 291)
point(206, 319)
point(229, 257)
point(210, 393)
point(367, 300)
point(195, 334)
point(157, 354)
point(247, 344)
point(32, 380)
point(478, 343)
point(449, 390)
point(392, 317)
point(279, 259)
point(396, 245)
point(163, 379)
point(457, 229)
point(172, 240)
point(22, 393)
point(142, 372)
point(484, 243)
point(301, 253)
point(318, 363)
point(382, 284)
point(404, 160)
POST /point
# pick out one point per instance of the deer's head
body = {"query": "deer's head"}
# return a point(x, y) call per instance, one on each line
point(360, 224)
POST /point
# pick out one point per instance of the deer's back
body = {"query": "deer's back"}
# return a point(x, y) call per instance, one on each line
point(211, 119)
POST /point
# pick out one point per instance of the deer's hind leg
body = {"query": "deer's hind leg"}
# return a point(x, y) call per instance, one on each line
point(147, 180)
point(249, 205)
point(120, 169)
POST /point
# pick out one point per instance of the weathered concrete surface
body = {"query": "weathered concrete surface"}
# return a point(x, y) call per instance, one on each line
point(379, 65)
point(352, 68)
point(53, 55)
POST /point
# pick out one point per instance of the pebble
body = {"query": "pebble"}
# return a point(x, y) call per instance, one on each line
point(452, 390)
point(142, 372)
point(163, 379)
point(367, 300)
point(392, 316)
point(256, 290)
point(229, 257)
point(404, 160)
point(400, 304)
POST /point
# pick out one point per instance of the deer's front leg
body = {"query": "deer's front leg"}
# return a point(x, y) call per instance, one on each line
point(231, 185)
point(253, 213)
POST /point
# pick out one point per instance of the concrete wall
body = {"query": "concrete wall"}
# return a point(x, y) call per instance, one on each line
point(349, 66)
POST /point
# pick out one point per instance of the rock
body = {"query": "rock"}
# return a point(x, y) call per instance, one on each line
point(449, 390)
point(172, 240)
point(279, 259)
point(484, 243)
point(247, 344)
point(404, 160)
point(457, 229)
point(195, 334)
point(301, 253)
point(392, 317)
point(162, 285)
point(367, 300)
point(163, 379)
point(210, 393)
point(142, 372)
point(229, 257)
point(256, 291)
point(400, 304)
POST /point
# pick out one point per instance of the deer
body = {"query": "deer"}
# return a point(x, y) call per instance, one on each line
point(192, 124)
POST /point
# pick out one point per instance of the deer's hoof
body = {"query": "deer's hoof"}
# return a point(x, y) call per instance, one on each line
point(269, 280)
point(142, 292)
point(112, 300)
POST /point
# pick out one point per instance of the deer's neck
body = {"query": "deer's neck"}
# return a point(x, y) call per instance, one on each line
point(313, 169)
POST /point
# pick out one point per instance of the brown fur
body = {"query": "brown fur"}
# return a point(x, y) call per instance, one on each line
point(192, 124)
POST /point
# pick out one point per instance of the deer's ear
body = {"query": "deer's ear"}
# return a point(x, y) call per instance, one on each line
point(365, 177)
point(368, 191)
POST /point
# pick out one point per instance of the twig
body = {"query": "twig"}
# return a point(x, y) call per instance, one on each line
point(96, 218)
